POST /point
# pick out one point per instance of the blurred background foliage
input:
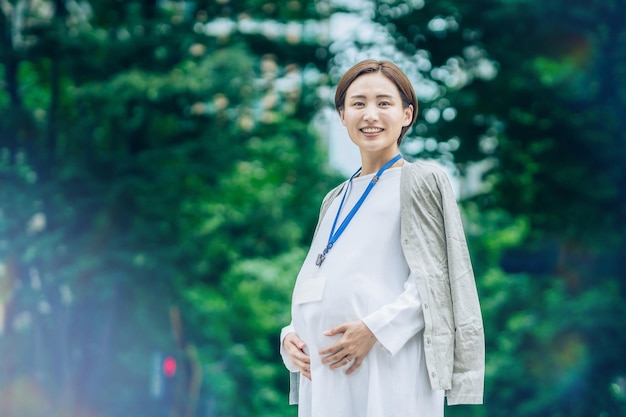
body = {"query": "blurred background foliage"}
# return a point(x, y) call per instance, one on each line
point(162, 164)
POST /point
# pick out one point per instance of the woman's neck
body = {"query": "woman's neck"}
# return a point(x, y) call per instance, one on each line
point(370, 164)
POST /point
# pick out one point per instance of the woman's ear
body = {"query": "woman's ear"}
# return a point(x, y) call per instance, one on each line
point(408, 115)
point(341, 114)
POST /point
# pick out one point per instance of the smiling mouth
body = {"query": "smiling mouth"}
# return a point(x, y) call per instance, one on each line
point(371, 130)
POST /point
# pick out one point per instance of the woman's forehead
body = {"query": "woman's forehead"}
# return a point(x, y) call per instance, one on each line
point(375, 83)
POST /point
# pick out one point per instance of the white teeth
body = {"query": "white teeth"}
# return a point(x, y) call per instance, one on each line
point(371, 130)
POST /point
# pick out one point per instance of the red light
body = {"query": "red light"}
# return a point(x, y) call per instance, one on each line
point(169, 367)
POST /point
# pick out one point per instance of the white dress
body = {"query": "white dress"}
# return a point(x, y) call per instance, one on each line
point(367, 278)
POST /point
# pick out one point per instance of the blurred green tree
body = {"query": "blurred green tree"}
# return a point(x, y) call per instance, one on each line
point(548, 229)
point(151, 156)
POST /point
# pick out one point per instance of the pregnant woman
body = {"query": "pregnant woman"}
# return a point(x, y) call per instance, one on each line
point(386, 320)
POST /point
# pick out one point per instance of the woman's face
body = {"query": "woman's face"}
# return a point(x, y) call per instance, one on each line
point(373, 113)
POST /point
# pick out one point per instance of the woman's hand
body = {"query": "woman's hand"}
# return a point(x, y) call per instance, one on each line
point(354, 345)
point(295, 348)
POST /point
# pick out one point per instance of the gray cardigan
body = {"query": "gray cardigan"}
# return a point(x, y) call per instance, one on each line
point(435, 249)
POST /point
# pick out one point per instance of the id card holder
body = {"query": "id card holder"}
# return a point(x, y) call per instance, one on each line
point(309, 290)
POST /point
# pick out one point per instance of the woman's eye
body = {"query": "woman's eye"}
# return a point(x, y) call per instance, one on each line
point(384, 103)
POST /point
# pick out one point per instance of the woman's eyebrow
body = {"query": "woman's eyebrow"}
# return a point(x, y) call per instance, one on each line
point(361, 96)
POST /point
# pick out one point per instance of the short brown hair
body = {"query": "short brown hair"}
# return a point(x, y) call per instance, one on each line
point(389, 70)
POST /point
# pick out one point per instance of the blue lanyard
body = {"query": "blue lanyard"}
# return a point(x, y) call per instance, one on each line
point(334, 235)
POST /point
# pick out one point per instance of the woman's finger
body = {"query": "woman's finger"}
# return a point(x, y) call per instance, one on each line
point(355, 365)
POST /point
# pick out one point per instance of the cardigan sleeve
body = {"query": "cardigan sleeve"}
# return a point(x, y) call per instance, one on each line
point(469, 344)
point(434, 246)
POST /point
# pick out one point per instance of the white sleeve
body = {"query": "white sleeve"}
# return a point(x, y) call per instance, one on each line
point(286, 358)
point(395, 323)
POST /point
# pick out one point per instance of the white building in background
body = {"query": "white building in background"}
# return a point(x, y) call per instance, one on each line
point(347, 31)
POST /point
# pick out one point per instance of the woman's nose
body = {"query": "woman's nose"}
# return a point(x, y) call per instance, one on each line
point(370, 113)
